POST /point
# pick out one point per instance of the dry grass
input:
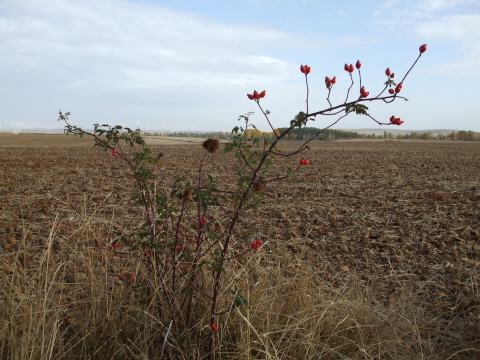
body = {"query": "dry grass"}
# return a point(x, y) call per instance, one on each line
point(376, 256)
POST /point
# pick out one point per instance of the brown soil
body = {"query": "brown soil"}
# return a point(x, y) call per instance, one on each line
point(29, 139)
point(392, 215)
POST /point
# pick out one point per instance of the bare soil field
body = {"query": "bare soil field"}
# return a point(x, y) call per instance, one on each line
point(383, 233)
point(31, 139)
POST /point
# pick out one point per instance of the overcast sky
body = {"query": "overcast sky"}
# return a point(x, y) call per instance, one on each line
point(188, 65)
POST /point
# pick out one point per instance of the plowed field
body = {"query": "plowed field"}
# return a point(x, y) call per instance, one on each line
point(398, 218)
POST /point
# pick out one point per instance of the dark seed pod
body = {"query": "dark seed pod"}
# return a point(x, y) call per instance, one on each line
point(211, 145)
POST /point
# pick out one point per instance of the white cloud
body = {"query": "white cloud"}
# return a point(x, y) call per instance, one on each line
point(353, 41)
point(131, 42)
point(435, 5)
point(462, 29)
point(131, 61)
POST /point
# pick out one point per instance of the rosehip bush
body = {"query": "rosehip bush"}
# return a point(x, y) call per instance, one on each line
point(184, 245)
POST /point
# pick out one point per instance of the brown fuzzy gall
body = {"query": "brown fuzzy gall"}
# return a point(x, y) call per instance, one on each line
point(187, 194)
point(258, 186)
point(211, 145)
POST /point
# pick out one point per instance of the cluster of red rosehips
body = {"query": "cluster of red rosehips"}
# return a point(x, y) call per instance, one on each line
point(214, 328)
point(329, 82)
point(304, 162)
point(114, 152)
point(202, 222)
point(348, 68)
point(111, 247)
point(256, 244)
point(395, 120)
point(120, 277)
point(305, 69)
point(256, 95)
point(399, 86)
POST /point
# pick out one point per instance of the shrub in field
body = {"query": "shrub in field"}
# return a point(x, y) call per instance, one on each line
point(188, 238)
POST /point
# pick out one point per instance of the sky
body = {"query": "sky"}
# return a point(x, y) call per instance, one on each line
point(178, 65)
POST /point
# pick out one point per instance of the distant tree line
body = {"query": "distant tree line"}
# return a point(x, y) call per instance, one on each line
point(327, 135)
point(212, 135)
point(454, 135)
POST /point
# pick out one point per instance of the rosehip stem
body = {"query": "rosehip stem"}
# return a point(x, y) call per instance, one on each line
point(348, 91)
point(328, 97)
point(381, 92)
point(308, 90)
point(378, 122)
point(360, 77)
point(411, 67)
point(322, 112)
point(266, 117)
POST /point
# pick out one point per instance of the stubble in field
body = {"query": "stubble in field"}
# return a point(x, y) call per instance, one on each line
point(372, 252)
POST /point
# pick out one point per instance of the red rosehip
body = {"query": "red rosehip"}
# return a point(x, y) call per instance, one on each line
point(334, 80)
point(398, 89)
point(358, 64)
point(422, 48)
point(67, 319)
point(345, 67)
point(350, 68)
point(363, 93)
point(250, 96)
point(400, 85)
point(327, 79)
point(395, 120)
point(328, 84)
point(387, 72)
point(214, 328)
point(392, 75)
point(256, 95)
point(120, 277)
point(179, 248)
point(262, 94)
point(391, 91)
point(305, 69)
